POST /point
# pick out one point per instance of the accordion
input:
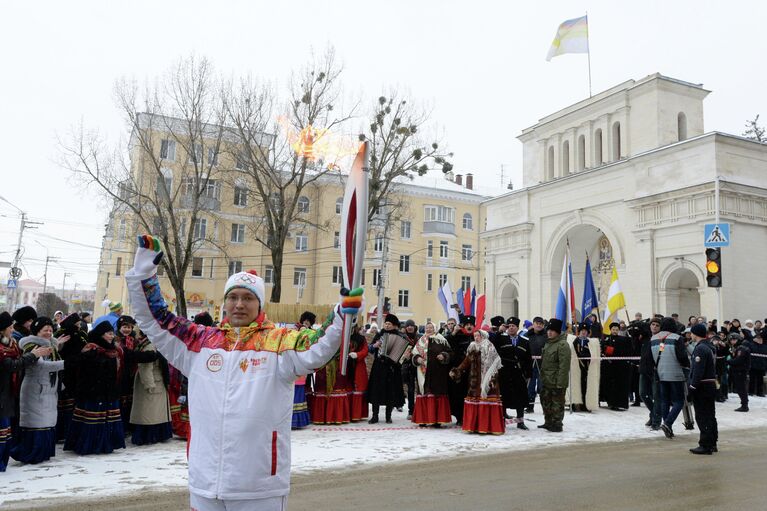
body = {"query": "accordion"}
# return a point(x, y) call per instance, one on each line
point(394, 347)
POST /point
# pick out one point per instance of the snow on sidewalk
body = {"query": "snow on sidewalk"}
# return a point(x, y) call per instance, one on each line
point(163, 466)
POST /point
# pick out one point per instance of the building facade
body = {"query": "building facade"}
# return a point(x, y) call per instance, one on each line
point(628, 178)
point(433, 236)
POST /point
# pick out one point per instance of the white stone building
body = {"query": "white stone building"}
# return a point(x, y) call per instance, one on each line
point(628, 176)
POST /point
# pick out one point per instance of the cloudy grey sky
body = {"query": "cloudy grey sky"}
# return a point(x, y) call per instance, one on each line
point(480, 65)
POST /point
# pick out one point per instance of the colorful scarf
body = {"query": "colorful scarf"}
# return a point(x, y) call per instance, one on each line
point(11, 350)
point(490, 362)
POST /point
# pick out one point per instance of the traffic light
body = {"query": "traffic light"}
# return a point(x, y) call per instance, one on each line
point(714, 267)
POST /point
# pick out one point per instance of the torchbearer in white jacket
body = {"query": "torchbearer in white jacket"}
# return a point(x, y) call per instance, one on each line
point(241, 377)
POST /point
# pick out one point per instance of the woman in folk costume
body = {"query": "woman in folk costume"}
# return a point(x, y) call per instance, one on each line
point(385, 384)
point(331, 400)
point(301, 416)
point(12, 362)
point(70, 326)
point(150, 413)
point(358, 373)
point(431, 356)
point(482, 408)
point(97, 426)
point(39, 396)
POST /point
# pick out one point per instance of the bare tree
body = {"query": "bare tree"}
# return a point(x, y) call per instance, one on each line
point(754, 131)
point(167, 178)
point(282, 166)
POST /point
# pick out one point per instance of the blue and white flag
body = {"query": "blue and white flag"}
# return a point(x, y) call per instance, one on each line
point(590, 298)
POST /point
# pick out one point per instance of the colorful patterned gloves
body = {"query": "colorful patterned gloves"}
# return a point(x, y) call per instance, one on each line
point(148, 255)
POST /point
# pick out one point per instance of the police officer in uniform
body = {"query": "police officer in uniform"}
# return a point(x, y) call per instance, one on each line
point(702, 388)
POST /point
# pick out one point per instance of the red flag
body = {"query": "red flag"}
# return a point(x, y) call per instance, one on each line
point(481, 303)
point(467, 302)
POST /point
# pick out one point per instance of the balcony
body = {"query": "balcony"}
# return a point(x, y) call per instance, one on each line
point(435, 227)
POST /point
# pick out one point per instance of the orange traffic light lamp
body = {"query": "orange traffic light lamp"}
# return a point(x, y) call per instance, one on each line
point(714, 267)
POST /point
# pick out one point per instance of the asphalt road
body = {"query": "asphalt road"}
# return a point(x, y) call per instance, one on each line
point(642, 475)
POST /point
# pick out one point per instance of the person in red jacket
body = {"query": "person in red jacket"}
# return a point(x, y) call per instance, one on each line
point(358, 370)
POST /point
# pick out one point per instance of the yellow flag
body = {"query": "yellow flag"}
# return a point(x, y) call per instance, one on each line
point(615, 299)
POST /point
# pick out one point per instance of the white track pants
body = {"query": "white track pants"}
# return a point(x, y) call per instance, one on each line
point(197, 503)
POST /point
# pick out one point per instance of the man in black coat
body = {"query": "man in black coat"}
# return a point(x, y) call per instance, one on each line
point(702, 388)
point(459, 341)
point(537, 338)
point(385, 385)
point(514, 351)
point(408, 371)
point(616, 374)
point(583, 352)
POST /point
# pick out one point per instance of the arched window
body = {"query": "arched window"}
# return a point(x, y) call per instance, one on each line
point(681, 126)
point(581, 158)
point(550, 164)
point(616, 141)
point(468, 222)
point(566, 158)
point(598, 158)
point(303, 204)
point(339, 205)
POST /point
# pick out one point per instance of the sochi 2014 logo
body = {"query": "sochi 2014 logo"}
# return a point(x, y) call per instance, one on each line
point(215, 362)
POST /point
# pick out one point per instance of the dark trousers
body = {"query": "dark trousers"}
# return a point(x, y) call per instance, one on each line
point(534, 385)
point(704, 400)
point(650, 392)
point(756, 382)
point(671, 400)
point(584, 384)
point(389, 410)
point(740, 386)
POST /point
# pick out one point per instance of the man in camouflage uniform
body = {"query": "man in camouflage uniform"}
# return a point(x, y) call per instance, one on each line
point(555, 374)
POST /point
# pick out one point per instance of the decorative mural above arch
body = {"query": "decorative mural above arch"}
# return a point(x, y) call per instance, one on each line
point(583, 218)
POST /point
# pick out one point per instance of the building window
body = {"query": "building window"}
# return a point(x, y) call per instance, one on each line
point(121, 229)
point(442, 279)
point(165, 183)
point(241, 161)
point(466, 253)
point(429, 283)
point(403, 298)
point(119, 266)
point(598, 157)
point(566, 158)
point(212, 156)
point(439, 214)
point(465, 283)
point(302, 243)
point(337, 275)
point(468, 222)
point(443, 249)
point(168, 150)
point(404, 264)
point(269, 275)
point(681, 126)
point(336, 240)
point(235, 267)
point(378, 245)
point(550, 164)
point(299, 277)
point(581, 156)
point(240, 196)
point(200, 229)
point(430, 249)
point(238, 233)
point(376, 277)
point(616, 141)
point(303, 204)
point(196, 155)
point(339, 205)
point(362, 277)
point(404, 230)
point(197, 267)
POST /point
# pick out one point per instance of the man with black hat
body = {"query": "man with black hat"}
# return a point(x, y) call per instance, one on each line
point(702, 388)
point(459, 340)
point(497, 326)
point(408, 371)
point(615, 383)
point(22, 321)
point(514, 351)
point(385, 383)
point(555, 376)
point(583, 352)
point(537, 338)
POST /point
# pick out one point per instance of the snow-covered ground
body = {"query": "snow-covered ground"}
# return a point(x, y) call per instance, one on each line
point(163, 466)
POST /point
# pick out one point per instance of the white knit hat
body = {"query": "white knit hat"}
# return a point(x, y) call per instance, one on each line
point(247, 280)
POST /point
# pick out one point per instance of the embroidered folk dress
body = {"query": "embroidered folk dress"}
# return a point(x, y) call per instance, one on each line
point(482, 408)
point(432, 405)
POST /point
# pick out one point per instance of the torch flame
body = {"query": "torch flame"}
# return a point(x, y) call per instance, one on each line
point(318, 143)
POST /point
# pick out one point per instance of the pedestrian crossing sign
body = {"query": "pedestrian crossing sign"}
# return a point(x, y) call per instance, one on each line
point(716, 235)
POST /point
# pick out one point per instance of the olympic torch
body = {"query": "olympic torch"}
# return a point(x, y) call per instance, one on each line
point(354, 225)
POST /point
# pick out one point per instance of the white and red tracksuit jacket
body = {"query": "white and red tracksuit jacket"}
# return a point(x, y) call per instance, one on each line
point(240, 392)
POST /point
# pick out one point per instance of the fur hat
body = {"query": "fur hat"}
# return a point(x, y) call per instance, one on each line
point(699, 329)
point(5, 320)
point(513, 321)
point(99, 330)
point(125, 320)
point(247, 280)
point(204, 319)
point(39, 323)
point(614, 324)
point(24, 314)
point(391, 318)
point(467, 320)
point(410, 322)
point(538, 319)
point(555, 325)
point(308, 316)
point(583, 326)
point(496, 321)
point(70, 323)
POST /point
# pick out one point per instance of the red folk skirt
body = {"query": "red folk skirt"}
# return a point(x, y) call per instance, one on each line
point(359, 405)
point(333, 408)
point(483, 415)
point(431, 409)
